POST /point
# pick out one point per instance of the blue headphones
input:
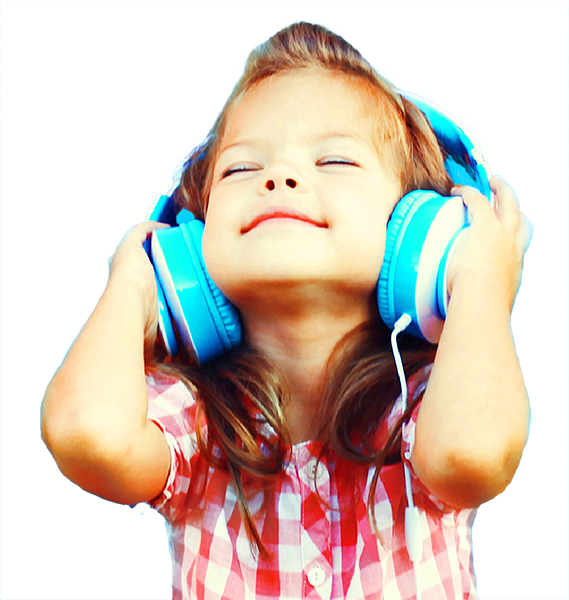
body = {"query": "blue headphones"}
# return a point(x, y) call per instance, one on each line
point(421, 236)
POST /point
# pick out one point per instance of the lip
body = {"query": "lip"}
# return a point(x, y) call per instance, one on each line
point(282, 213)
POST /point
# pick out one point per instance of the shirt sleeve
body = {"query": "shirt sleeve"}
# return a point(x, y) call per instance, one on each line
point(172, 407)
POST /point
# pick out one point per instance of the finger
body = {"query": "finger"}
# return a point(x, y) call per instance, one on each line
point(507, 205)
point(524, 234)
point(138, 234)
point(147, 227)
point(476, 203)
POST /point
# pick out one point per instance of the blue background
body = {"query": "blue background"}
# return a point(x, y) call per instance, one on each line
point(101, 101)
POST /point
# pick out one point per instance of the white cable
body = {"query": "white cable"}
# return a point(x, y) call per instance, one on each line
point(413, 536)
point(400, 325)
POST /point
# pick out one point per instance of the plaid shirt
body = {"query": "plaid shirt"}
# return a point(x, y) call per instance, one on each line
point(320, 541)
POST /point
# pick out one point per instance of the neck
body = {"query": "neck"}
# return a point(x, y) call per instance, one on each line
point(300, 340)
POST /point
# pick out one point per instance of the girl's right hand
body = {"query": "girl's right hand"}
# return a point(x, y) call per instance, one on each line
point(95, 409)
point(130, 264)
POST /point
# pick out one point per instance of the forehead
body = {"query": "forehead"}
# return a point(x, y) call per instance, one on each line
point(309, 101)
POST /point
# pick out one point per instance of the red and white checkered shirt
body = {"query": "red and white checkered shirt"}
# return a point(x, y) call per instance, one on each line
point(322, 545)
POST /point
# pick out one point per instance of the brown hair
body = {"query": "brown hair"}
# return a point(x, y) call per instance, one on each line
point(401, 125)
point(361, 382)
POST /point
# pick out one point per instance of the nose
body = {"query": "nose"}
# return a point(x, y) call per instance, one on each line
point(281, 177)
point(271, 185)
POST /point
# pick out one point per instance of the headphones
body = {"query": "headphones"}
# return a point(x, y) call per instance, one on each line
point(422, 233)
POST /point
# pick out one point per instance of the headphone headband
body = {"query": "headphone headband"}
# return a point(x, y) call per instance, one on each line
point(164, 208)
point(463, 159)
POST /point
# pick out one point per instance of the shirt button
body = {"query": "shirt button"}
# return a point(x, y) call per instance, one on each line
point(316, 576)
point(315, 469)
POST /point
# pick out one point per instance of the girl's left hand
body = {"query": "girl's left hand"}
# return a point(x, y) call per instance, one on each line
point(474, 417)
point(493, 247)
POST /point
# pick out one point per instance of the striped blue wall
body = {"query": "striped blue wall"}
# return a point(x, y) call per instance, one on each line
point(100, 100)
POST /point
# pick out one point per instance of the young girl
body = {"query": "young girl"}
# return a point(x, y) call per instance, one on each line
point(279, 466)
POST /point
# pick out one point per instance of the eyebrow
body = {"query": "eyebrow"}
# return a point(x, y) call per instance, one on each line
point(324, 137)
point(337, 134)
point(343, 136)
point(241, 143)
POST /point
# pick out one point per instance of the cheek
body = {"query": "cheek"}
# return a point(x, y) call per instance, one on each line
point(368, 228)
point(212, 250)
point(377, 252)
point(220, 248)
point(364, 256)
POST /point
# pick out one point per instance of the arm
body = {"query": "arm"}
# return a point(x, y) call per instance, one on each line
point(94, 410)
point(473, 421)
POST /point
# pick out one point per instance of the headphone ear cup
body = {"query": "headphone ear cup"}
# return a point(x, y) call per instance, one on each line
point(393, 238)
point(422, 227)
point(223, 313)
point(165, 322)
point(206, 322)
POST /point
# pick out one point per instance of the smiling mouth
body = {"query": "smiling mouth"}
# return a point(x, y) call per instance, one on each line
point(280, 214)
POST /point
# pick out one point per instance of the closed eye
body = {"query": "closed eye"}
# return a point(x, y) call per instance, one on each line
point(241, 168)
point(336, 160)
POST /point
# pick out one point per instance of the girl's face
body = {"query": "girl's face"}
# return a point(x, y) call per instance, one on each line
point(301, 193)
